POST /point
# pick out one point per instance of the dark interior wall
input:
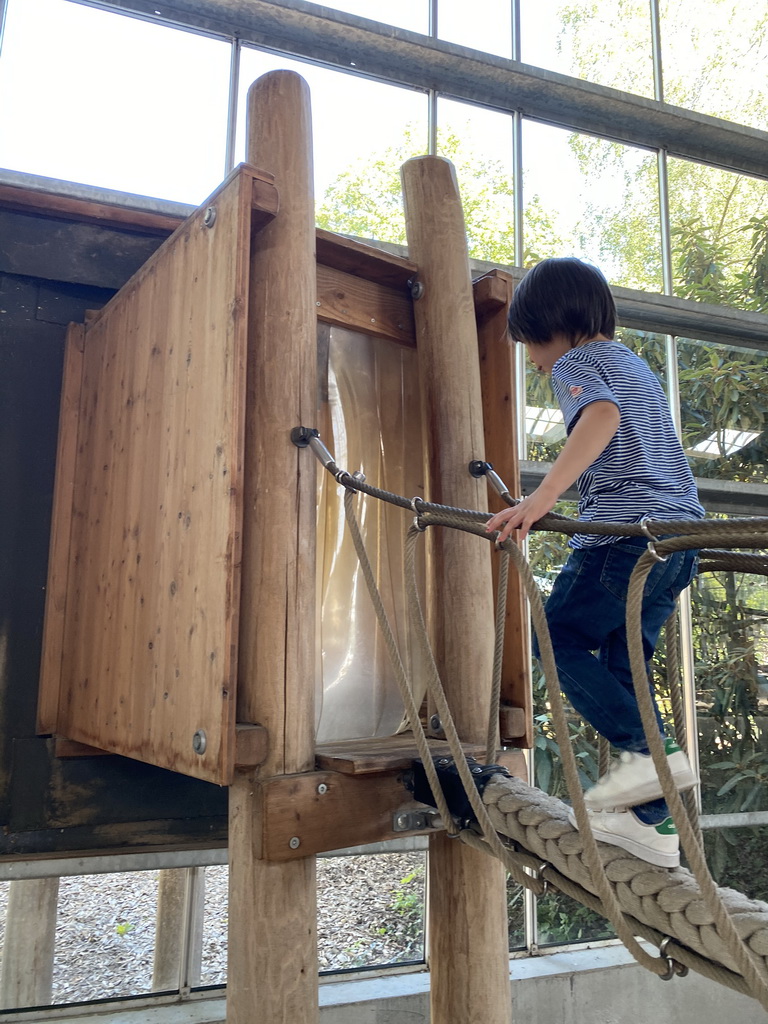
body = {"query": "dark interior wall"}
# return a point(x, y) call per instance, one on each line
point(52, 270)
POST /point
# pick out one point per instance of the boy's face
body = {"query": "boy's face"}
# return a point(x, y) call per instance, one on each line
point(545, 355)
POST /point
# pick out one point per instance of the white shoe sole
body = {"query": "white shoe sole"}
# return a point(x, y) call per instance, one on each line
point(656, 857)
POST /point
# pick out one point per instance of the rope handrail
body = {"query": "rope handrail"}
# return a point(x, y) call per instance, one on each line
point(666, 537)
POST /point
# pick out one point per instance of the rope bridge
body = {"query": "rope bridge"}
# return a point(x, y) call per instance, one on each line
point(695, 924)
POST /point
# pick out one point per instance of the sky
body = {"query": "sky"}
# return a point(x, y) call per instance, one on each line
point(103, 99)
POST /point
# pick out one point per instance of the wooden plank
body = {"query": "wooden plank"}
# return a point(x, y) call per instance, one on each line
point(498, 377)
point(63, 747)
point(328, 811)
point(272, 949)
point(491, 294)
point(364, 260)
point(61, 529)
point(149, 670)
point(349, 301)
point(469, 953)
point(87, 210)
point(389, 754)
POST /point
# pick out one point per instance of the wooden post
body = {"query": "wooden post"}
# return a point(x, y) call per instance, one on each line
point(498, 376)
point(26, 978)
point(468, 944)
point(272, 973)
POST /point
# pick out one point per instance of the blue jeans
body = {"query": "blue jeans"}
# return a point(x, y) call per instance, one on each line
point(586, 612)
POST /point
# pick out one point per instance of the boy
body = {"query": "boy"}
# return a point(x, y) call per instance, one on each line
point(624, 455)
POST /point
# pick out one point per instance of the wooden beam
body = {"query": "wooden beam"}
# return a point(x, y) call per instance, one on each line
point(498, 375)
point(272, 953)
point(364, 260)
point(469, 958)
point(61, 530)
point(320, 811)
point(345, 300)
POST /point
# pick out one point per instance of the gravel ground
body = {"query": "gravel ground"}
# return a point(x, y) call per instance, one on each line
point(369, 914)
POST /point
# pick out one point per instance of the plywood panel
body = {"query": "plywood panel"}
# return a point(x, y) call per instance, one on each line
point(151, 618)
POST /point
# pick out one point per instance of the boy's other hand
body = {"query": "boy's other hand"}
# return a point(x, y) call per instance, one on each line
point(522, 516)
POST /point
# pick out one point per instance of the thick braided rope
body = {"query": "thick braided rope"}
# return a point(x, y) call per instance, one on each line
point(740, 533)
point(667, 901)
point(753, 972)
point(610, 906)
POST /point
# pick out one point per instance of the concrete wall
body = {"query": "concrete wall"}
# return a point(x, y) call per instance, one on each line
point(591, 986)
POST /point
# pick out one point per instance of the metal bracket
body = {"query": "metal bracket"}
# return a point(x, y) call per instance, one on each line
point(416, 820)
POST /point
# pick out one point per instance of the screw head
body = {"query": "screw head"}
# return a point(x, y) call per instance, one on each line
point(322, 788)
point(294, 842)
point(199, 741)
point(209, 217)
point(435, 724)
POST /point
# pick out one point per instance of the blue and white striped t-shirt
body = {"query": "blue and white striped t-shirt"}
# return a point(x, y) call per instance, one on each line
point(643, 471)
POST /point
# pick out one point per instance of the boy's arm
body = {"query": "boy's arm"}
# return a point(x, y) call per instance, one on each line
point(591, 435)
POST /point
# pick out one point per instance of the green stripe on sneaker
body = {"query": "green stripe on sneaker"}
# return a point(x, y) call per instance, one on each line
point(666, 828)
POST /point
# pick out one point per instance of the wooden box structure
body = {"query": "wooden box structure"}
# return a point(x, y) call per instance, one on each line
point(140, 651)
point(180, 608)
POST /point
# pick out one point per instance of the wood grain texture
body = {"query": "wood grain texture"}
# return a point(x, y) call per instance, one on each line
point(391, 753)
point(467, 907)
point(61, 527)
point(151, 621)
point(349, 811)
point(364, 260)
point(498, 376)
point(272, 950)
point(375, 309)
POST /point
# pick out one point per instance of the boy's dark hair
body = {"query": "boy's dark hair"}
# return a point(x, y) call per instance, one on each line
point(562, 296)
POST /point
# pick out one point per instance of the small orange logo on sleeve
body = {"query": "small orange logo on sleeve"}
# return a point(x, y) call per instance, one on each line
point(576, 390)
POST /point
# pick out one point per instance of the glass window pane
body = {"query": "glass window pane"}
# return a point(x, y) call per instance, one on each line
point(730, 638)
point(479, 143)
point(213, 970)
point(410, 14)
point(562, 920)
point(594, 199)
point(483, 25)
point(357, 157)
point(724, 410)
point(602, 41)
point(370, 911)
point(716, 62)
point(736, 858)
point(719, 236)
point(104, 99)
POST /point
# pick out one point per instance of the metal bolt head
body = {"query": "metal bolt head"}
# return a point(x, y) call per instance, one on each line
point(416, 288)
point(199, 741)
point(209, 217)
point(435, 724)
point(294, 842)
point(322, 788)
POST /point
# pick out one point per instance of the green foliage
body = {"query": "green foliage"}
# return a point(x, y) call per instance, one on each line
point(123, 928)
point(366, 200)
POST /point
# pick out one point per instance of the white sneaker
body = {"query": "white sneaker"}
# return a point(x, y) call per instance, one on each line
point(632, 779)
point(656, 844)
